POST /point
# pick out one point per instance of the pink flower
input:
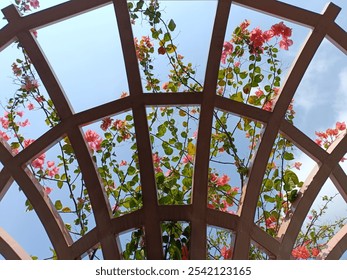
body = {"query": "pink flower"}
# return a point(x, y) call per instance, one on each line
point(227, 50)
point(94, 140)
point(50, 164)
point(157, 169)
point(187, 158)
point(244, 25)
point(257, 38)
point(24, 124)
point(20, 113)
point(4, 122)
point(35, 4)
point(237, 64)
point(285, 43)
point(165, 86)
point(4, 136)
point(259, 93)
point(340, 126)
point(52, 172)
point(30, 106)
point(27, 142)
point(156, 158)
point(271, 222)
point(309, 217)
point(223, 180)
point(280, 29)
point(30, 84)
point(106, 123)
point(268, 35)
point(297, 165)
point(47, 190)
point(301, 252)
point(168, 173)
point(214, 177)
point(39, 162)
point(268, 106)
point(332, 132)
point(123, 163)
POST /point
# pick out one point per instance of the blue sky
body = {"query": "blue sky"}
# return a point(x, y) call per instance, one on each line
point(320, 100)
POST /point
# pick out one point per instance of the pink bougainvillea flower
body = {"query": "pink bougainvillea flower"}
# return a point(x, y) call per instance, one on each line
point(297, 165)
point(39, 162)
point(259, 93)
point(341, 126)
point(30, 84)
point(30, 106)
point(16, 70)
point(244, 25)
point(106, 123)
point(165, 86)
point(227, 50)
point(123, 163)
point(50, 163)
point(214, 177)
point(271, 222)
point(52, 172)
point(4, 136)
point(301, 252)
point(156, 158)
point(223, 180)
point(257, 38)
point(34, 3)
point(47, 190)
point(24, 124)
point(27, 142)
point(285, 43)
point(4, 122)
point(268, 105)
point(187, 158)
point(94, 140)
point(280, 29)
point(332, 132)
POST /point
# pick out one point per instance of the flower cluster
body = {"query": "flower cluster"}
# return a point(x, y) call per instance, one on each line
point(303, 252)
point(327, 137)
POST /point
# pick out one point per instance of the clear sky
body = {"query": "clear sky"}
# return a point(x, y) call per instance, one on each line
point(92, 39)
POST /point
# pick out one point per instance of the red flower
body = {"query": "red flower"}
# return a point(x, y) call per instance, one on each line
point(106, 123)
point(226, 253)
point(301, 252)
point(185, 252)
point(315, 252)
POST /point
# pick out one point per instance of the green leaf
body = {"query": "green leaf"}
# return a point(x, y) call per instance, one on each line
point(66, 210)
point(131, 170)
point(171, 25)
point(58, 205)
point(237, 97)
point(288, 156)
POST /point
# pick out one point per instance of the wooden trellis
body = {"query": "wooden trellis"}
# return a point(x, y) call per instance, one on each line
point(151, 214)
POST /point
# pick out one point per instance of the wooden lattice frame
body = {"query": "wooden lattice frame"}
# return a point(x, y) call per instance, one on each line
point(150, 216)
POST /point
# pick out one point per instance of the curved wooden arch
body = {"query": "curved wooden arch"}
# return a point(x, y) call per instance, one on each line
point(150, 216)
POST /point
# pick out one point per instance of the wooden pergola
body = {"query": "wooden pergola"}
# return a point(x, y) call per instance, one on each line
point(151, 214)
